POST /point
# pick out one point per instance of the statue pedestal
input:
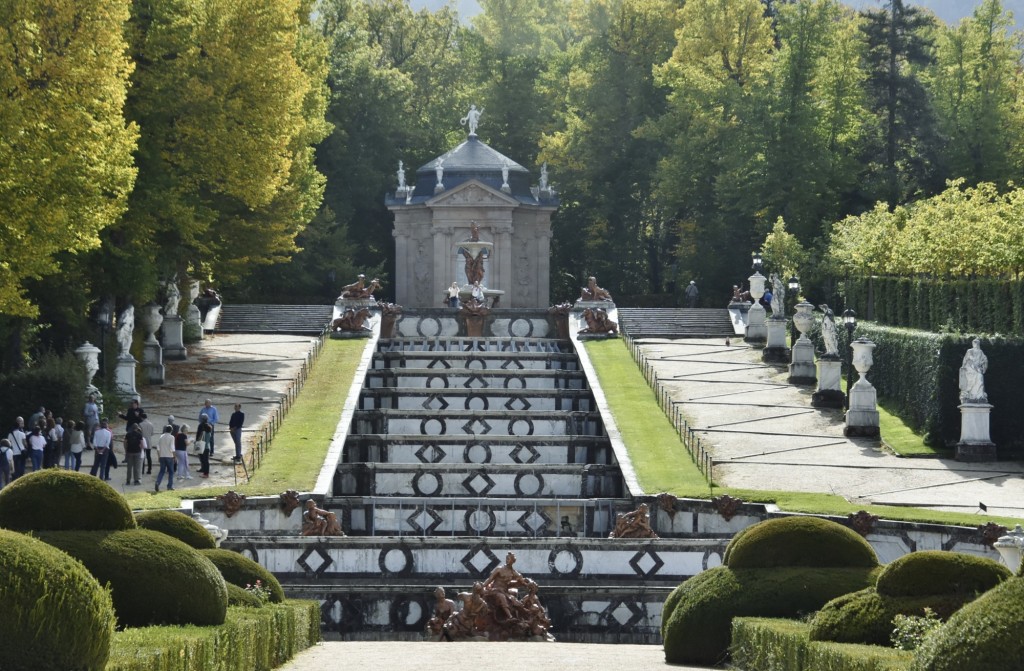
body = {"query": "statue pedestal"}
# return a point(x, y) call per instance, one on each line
point(775, 350)
point(757, 332)
point(801, 365)
point(170, 338)
point(124, 377)
point(153, 362)
point(193, 330)
point(862, 417)
point(975, 441)
point(830, 389)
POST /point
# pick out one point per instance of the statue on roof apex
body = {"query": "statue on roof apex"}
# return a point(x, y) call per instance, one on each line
point(472, 119)
point(401, 177)
point(544, 177)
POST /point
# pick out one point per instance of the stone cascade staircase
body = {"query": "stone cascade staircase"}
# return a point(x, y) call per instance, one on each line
point(675, 322)
point(290, 319)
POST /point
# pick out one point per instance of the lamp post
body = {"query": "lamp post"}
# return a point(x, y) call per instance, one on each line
point(850, 322)
point(104, 311)
point(792, 291)
point(756, 263)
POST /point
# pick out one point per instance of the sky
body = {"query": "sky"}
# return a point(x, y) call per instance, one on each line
point(950, 11)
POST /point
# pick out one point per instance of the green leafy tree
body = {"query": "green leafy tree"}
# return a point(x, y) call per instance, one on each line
point(65, 149)
point(782, 251)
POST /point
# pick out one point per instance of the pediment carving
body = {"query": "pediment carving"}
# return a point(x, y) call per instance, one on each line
point(472, 194)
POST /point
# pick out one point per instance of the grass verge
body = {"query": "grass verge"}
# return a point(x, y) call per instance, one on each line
point(662, 463)
point(298, 450)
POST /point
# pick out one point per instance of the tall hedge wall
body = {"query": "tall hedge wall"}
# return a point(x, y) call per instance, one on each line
point(917, 375)
point(981, 306)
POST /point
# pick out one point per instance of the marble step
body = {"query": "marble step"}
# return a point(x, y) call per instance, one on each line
point(454, 378)
point(446, 361)
point(675, 322)
point(489, 345)
point(419, 449)
point(478, 422)
point(292, 319)
point(484, 480)
point(513, 400)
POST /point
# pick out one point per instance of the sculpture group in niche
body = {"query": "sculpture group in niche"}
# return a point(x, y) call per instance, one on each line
point(972, 375)
point(503, 607)
point(592, 292)
point(634, 524)
point(319, 522)
point(598, 322)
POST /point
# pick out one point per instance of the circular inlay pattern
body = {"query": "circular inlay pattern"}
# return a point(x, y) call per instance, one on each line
point(437, 382)
point(395, 560)
point(521, 328)
point(432, 426)
point(480, 521)
point(421, 484)
point(428, 327)
point(711, 559)
point(409, 614)
point(520, 427)
point(565, 561)
point(529, 484)
point(476, 402)
point(515, 382)
point(476, 363)
point(477, 453)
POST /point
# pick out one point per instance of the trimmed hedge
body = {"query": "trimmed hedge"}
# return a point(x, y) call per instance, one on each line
point(698, 629)
point(783, 645)
point(58, 500)
point(177, 525)
point(238, 596)
point(251, 639)
point(917, 375)
point(866, 616)
point(985, 635)
point(55, 615)
point(799, 541)
point(939, 572)
point(238, 569)
point(153, 578)
point(978, 306)
point(54, 381)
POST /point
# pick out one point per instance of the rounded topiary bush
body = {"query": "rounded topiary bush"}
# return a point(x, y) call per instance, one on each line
point(153, 578)
point(698, 630)
point(799, 541)
point(939, 572)
point(177, 525)
point(985, 635)
point(866, 616)
point(240, 597)
point(57, 500)
point(239, 570)
point(55, 615)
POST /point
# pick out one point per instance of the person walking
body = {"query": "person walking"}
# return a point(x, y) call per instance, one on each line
point(37, 443)
point(181, 443)
point(692, 293)
point(133, 442)
point(102, 443)
point(212, 416)
point(204, 434)
point(77, 445)
point(235, 425)
point(131, 416)
point(19, 446)
point(91, 414)
point(54, 442)
point(6, 463)
point(147, 434)
point(165, 455)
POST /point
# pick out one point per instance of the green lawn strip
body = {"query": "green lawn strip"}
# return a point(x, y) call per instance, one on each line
point(297, 452)
point(662, 463)
point(900, 438)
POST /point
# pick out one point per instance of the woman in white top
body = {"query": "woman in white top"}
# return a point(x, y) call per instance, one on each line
point(77, 445)
point(37, 441)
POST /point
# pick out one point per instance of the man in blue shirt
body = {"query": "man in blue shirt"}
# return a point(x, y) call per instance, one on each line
point(210, 410)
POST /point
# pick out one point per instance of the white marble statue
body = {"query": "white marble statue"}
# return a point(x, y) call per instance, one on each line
point(778, 296)
point(125, 326)
point(828, 331)
point(544, 176)
point(401, 177)
point(472, 119)
point(504, 172)
point(439, 171)
point(173, 298)
point(972, 375)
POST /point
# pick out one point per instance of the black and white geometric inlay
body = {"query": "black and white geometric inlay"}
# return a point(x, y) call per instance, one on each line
point(428, 327)
point(517, 403)
point(477, 425)
point(424, 521)
point(435, 402)
point(534, 522)
point(529, 484)
point(315, 560)
point(395, 561)
point(566, 561)
point(514, 363)
point(521, 328)
point(477, 363)
point(480, 561)
point(480, 520)
point(408, 614)
point(520, 427)
point(478, 484)
point(524, 454)
point(477, 402)
point(476, 382)
point(646, 563)
point(430, 453)
point(427, 484)
point(515, 382)
point(443, 363)
point(437, 382)
point(477, 453)
point(624, 614)
point(433, 426)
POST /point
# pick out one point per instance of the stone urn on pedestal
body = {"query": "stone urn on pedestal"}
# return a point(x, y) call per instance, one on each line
point(89, 355)
point(862, 418)
point(801, 366)
point(152, 354)
point(193, 329)
point(757, 332)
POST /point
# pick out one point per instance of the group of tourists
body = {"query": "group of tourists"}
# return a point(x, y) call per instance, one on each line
point(45, 442)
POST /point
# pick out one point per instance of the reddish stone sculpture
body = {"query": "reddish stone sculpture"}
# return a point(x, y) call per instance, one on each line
point(598, 323)
point(634, 524)
point(290, 501)
point(444, 608)
point(351, 321)
point(592, 292)
point(727, 506)
point(358, 290)
point(319, 522)
point(231, 502)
